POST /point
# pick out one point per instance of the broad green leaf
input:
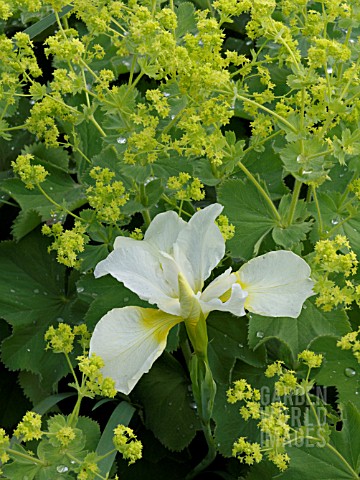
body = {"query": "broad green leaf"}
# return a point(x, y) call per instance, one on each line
point(268, 165)
point(250, 214)
point(104, 294)
point(25, 222)
point(122, 414)
point(58, 185)
point(229, 424)
point(227, 342)
point(186, 19)
point(338, 218)
point(33, 295)
point(340, 459)
point(297, 333)
point(91, 430)
point(23, 468)
point(347, 440)
point(50, 157)
point(340, 369)
point(295, 233)
point(169, 413)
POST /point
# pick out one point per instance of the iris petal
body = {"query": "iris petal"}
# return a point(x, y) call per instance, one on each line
point(277, 283)
point(129, 340)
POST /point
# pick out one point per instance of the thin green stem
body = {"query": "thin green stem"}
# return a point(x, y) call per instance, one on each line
point(210, 457)
point(51, 200)
point(30, 458)
point(321, 226)
point(263, 193)
point(267, 110)
point(97, 126)
point(294, 200)
point(338, 454)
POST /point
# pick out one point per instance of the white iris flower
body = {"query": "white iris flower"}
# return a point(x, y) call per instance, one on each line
point(168, 268)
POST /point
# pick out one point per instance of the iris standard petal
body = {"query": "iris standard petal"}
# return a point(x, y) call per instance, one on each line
point(129, 340)
point(138, 266)
point(277, 283)
point(164, 230)
point(200, 246)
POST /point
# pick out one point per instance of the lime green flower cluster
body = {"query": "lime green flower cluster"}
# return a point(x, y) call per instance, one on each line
point(126, 443)
point(287, 382)
point(273, 422)
point(137, 234)
point(31, 175)
point(247, 452)
point(186, 190)
point(106, 196)
point(273, 418)
point(351, 342)
point(89, 469)
point(333, 263)
point(29, 428)
point(67, 243)
point(4, 445)
point(95, 383)
point(354, 187)
point(226, 228)
point(60, 339)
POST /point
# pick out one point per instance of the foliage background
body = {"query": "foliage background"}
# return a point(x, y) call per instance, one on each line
point(147, 90)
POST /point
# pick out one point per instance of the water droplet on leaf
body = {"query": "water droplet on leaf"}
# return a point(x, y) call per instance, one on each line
point(121, 140)
point(260, 334)
point(80, 289)
point(62, 468)
point(349, 372)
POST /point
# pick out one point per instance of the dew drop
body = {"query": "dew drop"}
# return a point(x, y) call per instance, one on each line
point(166, 94)
point(304, 307)
point(12, 290)
point(240, 345)
point(200, 43)
point(51, 188)
point(260, 334)
point(349, 372)
point(172, 117)
point(59, 319)
point(329, 70)
point(80, 289)
point(36, 290)
point(299, 159)
point(193, 405)
point(170, 403)
point(28, 350)
point(121, 140)
point(334, 221)
point(307, 172)
point(126, 299)
point(62, 468)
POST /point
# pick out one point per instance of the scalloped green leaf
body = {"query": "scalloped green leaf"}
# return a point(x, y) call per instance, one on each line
point(340, 369)
point(169, 414)
point(340, 460)
point(228, 342)
point(297, 333)
point(249, 213)
point(33, 295)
